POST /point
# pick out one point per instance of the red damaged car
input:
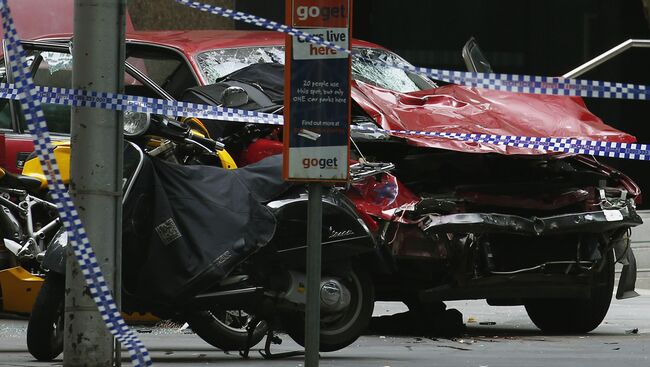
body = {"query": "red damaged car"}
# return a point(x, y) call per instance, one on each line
point(453, 219)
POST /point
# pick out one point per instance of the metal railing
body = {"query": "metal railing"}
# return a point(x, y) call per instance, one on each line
point(606, 56)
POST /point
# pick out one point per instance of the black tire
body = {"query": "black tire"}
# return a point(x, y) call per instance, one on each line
point(575, 316)
point(349, 325)
point(45, 327)
point(222, 330)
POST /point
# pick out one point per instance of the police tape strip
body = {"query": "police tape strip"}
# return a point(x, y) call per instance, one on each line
point(31, 106)
point(503, 82)
point(124, 102)
point(621, 150)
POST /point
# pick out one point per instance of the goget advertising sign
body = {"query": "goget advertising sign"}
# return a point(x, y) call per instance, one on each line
point(317, 101)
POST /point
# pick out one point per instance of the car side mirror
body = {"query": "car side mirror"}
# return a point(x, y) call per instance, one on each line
point(234, 97)
point(474, 58)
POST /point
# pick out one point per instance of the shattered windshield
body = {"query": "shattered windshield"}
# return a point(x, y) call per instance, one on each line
point(365, 68)
point(216, 64)
point(56, 61)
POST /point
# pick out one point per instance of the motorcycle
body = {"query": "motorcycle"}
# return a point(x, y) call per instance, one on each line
point(223, 250)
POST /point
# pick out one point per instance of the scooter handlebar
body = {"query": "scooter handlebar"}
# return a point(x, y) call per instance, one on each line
point(208, 144)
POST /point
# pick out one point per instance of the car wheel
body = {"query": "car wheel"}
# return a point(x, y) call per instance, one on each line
point(337, 331)
point(575, 316)
point(45, 327)
point(225, 329)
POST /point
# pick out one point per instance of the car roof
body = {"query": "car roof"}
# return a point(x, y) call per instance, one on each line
point(196, 41)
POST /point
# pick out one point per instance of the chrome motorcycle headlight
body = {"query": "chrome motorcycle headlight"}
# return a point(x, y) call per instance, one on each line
point(136, 123)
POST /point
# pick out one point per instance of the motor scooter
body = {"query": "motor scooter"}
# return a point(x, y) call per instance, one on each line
point(221, 249)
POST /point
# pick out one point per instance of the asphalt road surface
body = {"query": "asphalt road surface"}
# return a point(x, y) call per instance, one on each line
point(495, 336)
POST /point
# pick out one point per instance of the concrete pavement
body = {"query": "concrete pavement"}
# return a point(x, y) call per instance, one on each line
point(496, 336)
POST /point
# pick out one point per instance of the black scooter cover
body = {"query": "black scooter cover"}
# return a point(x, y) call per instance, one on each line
point(187, 227)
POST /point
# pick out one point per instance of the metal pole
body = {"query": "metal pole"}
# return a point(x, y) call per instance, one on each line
point(96, 174)
point(606, 56)
point(312, 311)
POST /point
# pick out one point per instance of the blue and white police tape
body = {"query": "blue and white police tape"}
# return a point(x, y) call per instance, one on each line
point(123, 102)
point(503, 82)
point(31, 106)
point(632, 151)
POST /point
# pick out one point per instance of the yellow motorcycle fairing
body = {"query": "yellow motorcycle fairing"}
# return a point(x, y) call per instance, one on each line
point(226, 160)
point(33, 168)
point(19, 290)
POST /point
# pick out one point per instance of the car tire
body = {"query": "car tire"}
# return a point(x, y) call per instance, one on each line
point(575, 316)
point(45, 327)
point(212, 326)
point(355, 318)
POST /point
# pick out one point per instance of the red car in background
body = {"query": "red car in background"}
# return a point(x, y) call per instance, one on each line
point(33, 20)
point(465, 220)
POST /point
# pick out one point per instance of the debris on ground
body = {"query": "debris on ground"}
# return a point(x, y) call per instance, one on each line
point(632, 331)
point(167, 324)
point(487, 323)
point(454, 347)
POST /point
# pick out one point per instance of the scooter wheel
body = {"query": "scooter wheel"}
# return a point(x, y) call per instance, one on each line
point(225, 330)
point(45, 327)
point(343, 329)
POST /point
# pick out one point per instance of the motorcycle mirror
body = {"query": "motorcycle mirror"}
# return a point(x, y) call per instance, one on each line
point(234, 97)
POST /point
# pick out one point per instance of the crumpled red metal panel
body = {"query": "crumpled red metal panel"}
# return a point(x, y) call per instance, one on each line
point(459, 109)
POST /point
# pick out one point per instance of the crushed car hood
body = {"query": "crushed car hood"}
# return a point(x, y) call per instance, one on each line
point(459, 109)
